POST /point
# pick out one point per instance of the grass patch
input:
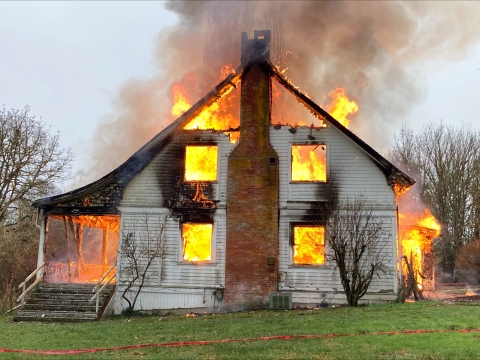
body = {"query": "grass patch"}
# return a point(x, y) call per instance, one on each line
point(119, 331)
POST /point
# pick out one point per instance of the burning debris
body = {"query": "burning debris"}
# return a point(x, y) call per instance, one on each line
point(418, 230)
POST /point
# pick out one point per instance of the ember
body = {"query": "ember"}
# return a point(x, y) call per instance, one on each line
point(309, 163)
point(197, 241)
point(309, 245)
point(201, 163)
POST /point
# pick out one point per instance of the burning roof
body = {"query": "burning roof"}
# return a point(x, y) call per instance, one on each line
point(142, 157)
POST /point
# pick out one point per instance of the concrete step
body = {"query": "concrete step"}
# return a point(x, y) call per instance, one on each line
point(59, 307)
point(46, 315)
point(61, 302)
point(65, 296)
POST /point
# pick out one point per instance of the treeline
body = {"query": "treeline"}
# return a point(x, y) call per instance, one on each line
point(445, 161)
point(31, 163)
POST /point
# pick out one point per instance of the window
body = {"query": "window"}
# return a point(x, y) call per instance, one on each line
point(308, 245)
point(309, 163)
point(201, 163)
point(197, 242)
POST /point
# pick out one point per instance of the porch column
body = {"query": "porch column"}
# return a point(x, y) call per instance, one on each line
point(104, 247)
point(41, 243)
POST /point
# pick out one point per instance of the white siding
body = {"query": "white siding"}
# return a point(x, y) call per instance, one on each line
point(350, 173)
point(350, 170)
point(177, 284)
point(174, 283)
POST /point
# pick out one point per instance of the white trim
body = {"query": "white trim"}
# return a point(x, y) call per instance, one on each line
point(143, 209)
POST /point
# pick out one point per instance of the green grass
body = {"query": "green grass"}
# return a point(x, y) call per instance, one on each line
point(120, 331)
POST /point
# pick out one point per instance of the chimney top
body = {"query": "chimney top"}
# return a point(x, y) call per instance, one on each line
point(256, 47)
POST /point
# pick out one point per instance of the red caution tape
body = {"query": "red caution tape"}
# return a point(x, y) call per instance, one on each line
point(209, 342)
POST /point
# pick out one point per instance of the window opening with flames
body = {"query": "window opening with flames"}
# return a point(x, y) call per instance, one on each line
point(201, 163)
point(197, 241)
point(80, 248)
point(309, 163)
point(308, 245)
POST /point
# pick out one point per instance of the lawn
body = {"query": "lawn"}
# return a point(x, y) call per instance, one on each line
point(362, 322)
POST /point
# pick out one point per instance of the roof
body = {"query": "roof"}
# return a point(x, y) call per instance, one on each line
point(143, 156)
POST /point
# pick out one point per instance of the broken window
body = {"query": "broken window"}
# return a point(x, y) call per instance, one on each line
point(309, 163)
point(308, 245)
point(197, 241)
point(201, 163)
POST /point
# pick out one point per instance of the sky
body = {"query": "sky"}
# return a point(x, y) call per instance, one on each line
point(69, 60)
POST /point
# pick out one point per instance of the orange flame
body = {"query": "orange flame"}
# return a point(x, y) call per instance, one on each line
point(80, 271)
point(309, 163)
point(309, 245)
point(201, 163)
point(180, 101)
point(214, 117)
point(341, 106)
point(417, 233)
point(197, 242)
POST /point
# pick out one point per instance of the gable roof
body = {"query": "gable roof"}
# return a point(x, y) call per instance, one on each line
point(143, 156)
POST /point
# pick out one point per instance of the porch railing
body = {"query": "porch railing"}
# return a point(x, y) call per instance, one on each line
point(99, 286)
point(22, 286)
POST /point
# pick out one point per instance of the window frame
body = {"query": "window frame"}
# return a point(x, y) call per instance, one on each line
point(184, 161)
point(292, 243)
point(327, 161)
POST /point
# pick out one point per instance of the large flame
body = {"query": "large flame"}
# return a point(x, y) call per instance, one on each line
point(309, 163)
point(417, 232)
point(197, 241)
point(341, 106)
point(216, 116)
point(201, 163)
point(91, 234)
point(309, 245)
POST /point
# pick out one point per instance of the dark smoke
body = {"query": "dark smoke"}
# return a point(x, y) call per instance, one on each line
point(377, 50)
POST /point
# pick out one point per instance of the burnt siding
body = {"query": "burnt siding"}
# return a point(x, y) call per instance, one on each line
point(174, 283)
point(350, 173)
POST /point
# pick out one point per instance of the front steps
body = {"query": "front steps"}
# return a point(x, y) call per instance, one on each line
point(62, 302)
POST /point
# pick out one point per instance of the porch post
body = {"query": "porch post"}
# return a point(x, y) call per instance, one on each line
point(41, 244)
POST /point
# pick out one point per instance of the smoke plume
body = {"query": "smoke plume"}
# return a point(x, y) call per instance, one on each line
point(376, 50)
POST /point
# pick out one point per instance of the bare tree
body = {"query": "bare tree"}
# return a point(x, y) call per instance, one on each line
point(356, 242)
point(468, 263)
point(31, 161)
point(142, 244)
point(446, 161)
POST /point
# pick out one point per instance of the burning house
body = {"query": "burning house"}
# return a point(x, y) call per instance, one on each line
point(235, 204)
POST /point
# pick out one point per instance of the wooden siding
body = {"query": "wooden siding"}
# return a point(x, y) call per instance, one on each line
point(176, 284)
point(350, 171)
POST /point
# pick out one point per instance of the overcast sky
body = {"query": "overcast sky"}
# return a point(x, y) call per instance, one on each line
point(67, 61)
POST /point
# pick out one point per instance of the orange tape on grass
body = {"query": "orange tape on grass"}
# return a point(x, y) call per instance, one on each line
point(210, 342)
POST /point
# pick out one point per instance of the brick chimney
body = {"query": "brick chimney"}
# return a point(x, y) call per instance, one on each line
point(252, 188)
